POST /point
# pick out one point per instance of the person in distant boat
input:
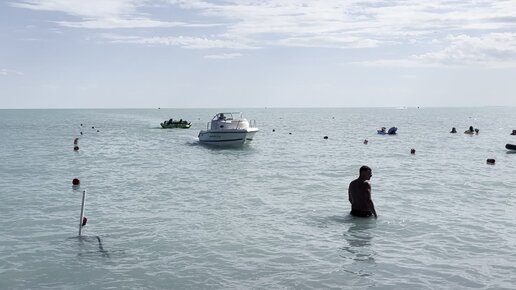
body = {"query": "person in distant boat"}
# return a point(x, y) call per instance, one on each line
point(383, 130)
point(180, 121)
point(471, 130)
point(170, 121)
point(359, 194)
point(513, 132)
point(453, 130)
point(222, 117)
point(476, 131)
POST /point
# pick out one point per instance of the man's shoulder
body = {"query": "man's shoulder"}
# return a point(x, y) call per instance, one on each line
point(358, 181)
point(354, 182)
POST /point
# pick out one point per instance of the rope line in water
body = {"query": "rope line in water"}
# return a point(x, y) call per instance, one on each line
point(101, 248)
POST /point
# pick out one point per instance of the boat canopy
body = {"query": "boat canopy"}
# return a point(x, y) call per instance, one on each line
point(228, 116)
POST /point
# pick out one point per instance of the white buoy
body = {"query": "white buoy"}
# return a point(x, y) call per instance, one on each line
point(82, 211)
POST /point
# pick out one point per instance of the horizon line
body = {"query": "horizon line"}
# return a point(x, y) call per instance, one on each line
point(265, 107)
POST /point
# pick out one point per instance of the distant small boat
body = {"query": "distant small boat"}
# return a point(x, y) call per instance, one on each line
point(391, 131)
point(510, 146)
point(170, 124)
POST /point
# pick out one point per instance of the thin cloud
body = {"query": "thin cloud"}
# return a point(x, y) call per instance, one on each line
point(104, 14)
point(111, 23)
point(87, 9)
point(9, 72)
point(223, 56)
point(180, 41)
point(328, 41)
point(491, 50)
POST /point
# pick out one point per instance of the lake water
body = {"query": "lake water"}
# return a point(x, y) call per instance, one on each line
point(170, 213)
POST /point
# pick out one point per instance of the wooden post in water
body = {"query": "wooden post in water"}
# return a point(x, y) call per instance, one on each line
point(82, 212)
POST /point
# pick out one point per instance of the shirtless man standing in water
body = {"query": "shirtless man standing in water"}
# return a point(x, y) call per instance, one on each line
point(360, 194)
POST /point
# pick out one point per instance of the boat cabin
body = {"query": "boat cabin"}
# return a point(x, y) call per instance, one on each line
point(227, 121)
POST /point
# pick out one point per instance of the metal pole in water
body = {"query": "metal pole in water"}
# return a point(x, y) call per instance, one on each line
point(82, 211)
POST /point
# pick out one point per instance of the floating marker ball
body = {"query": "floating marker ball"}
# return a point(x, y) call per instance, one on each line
point(412, 151)
point(490, 161)
point(76, 181)
point(75, 148)
point(325, 137)
point(273, 130)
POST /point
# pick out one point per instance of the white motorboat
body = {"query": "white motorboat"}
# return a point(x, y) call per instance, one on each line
point(228, 129)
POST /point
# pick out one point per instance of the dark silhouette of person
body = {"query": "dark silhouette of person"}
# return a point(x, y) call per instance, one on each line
point(359, 194)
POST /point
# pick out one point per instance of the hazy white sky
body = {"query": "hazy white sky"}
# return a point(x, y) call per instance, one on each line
point(259, 53)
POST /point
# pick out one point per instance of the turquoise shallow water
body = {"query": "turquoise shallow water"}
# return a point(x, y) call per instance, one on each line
point(173, 214)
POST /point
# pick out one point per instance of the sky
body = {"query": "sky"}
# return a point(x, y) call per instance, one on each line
point(256, 53)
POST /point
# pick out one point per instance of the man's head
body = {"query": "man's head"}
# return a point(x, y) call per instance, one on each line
point(365, 172)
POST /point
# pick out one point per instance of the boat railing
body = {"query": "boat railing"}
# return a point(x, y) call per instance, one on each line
point(252, 123)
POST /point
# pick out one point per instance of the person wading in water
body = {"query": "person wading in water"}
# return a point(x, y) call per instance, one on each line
point(359, 193)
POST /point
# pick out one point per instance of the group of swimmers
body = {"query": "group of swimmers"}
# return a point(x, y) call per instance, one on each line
point(475, 131)
point(470, 131)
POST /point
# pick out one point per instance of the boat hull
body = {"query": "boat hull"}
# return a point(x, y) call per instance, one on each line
point(227, 137)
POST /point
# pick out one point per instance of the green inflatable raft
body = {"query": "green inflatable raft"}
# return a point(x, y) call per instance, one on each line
point(170, 124)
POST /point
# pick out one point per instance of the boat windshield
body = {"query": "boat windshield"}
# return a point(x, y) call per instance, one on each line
point(227, 116)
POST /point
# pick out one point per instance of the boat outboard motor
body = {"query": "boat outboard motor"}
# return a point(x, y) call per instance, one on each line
point(392, 130)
